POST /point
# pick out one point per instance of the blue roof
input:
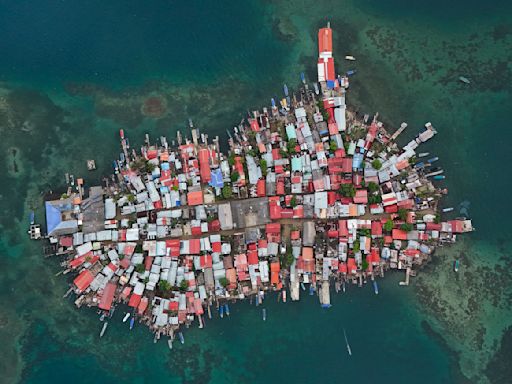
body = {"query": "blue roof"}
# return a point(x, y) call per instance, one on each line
point(216, 180)
point(53, 217)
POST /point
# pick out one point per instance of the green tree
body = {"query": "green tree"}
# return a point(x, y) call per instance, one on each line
point(356, 245)
point(364, 265)
point(264, 167)
point(227, 191)
point(224, 282)
point(131, 197)
point(283, 152)
point(286, 259)
point(140, 268)
point(164, 285)
point(149, 167)
point(291, 146)
point(333, 146)
point(373, 187)
point(231, 159)
point(402, 214)
point(235, 176)
point(183, 285)
point(437, 219)
point(388, 225)
point(347, 190)
point(376, 164)
point(293, 201)
point(406, 227)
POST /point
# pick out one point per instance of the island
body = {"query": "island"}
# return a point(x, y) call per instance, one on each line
point(310, 196)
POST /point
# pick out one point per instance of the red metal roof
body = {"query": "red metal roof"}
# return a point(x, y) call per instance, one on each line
point(273, 228)
point(324, 40)
point(107, 297)
point(195, 198)
point(204, 164)
point(83, 280)
point(260, 188)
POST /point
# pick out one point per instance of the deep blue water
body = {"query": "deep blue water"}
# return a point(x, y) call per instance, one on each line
point(122, 46)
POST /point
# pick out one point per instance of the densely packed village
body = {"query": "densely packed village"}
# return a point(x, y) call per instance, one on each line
point(308, 195)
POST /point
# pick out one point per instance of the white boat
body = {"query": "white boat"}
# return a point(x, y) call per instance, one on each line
point(447, 209)
point(465, 80)
point(346, 342)
point(284, 296)
point(423, 154)
point(350, 58)
point(169, 343)
point(126, 317)
point(182, 339)
point(317, 91)
point(104, 328)
point(264, 314)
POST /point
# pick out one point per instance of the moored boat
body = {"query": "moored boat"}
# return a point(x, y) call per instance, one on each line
point(317, 91)
point(31, 217)
point(226, 309)
point(285, 89)
point(104, 328)
point(126, 317)
point(302, 77)
point(169, 343)
point(375, 287)
point(132, 322)
point(447, 209)
point(284, 296)
point(456, 265)
point(351, 72)
point(221, 311)
point(432, 159)
point(264, 314)
point(423, 154)
point(182, 339)
point(350, 58)
point(439, 177)
point(303, 286)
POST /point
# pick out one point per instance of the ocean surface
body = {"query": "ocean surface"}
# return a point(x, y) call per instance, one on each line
point(73, 73)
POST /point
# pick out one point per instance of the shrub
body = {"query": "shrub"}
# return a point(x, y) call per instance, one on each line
point(376, 164)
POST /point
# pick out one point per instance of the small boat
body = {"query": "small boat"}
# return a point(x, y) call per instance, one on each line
point(423, 154)
point(465, 80)
point(439, 177)
point(121, 133)
point(343, 286)
point(375, 287)
point(351, 72)
point(226, 309)
point(264, 314)
point(284, 296)
point(317, 91)
point(302, 77)
point(169, 343)
point(126, 317)
point(350, 58)
point(346, 342)
point(32, 217)
point(103, 329)
point(132, 322)
point(303, 286)
point(311, 290)
point(419, 165)
point(456, 265)
point(448, 209)
point(432, 160)
point(182, 339)
point(221, 311)
point(285, 89)
point(102, 317)
point(272, 100)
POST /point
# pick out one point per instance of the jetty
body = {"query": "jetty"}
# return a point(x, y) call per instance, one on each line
point(308, 195)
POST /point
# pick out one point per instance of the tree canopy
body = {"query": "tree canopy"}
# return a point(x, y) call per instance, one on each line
point(376, 164)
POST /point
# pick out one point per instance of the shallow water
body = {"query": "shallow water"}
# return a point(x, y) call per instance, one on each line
point(74, 74)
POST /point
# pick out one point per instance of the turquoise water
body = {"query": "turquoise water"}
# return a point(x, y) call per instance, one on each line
point(73, 74)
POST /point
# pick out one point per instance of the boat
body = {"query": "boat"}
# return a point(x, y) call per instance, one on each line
point(182, 339)
point(346, 342)
point(303, 286)
point(447, 209)
point(302, 77)
point(226, 309)
point(351, 72)
point(126, 317)
point(465, 80)
point(264, 314)
point(311, 290)
point(169, 343)
point(285, 89)
point(221, 311)
point(375, 287)
point(32, 217)
point(343, 286)
point(121, 133)
point(104, 328)
point(273, 101)
point(423, 154)
point(284, 296)
point(439, 177)
point(102, 317)
point(432, 160)
point(132, 322)
point(350, 58)
point(456, 265)
point(317, 91)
